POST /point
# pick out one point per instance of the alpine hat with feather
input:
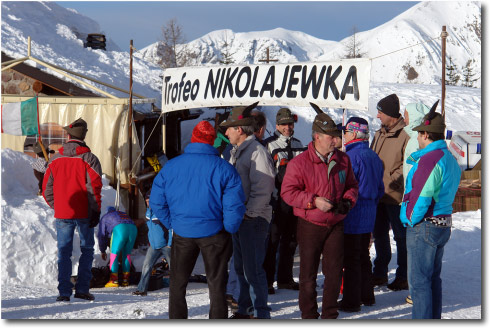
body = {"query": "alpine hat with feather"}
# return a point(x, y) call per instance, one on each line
point(240, 116)
point(432, 122)
point(324, 123)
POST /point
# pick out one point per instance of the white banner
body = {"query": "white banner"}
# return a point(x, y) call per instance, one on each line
point(339, 84)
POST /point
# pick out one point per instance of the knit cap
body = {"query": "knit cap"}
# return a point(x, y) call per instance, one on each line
point(357, 124)
point(203, 132)
point(390, 106)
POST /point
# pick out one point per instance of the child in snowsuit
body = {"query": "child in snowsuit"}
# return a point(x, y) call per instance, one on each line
point(117, 227)
point(160, 239)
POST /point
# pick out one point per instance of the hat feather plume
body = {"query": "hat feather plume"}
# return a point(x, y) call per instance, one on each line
point(246, 112)
point(316, 108)
point(432, 111)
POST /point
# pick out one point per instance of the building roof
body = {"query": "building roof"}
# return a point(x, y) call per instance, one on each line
point(64, 87)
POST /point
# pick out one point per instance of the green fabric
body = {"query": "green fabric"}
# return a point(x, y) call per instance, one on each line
point(220, 138)
point(28, 112)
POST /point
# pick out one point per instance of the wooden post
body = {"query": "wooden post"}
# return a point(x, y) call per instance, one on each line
point(130, 131)
point(444, 35)
point(268, 59)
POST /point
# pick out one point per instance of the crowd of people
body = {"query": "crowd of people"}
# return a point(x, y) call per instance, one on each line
point(246, 204)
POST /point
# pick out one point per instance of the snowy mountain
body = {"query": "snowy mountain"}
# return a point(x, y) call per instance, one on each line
point(422, 22)
point(57, 36)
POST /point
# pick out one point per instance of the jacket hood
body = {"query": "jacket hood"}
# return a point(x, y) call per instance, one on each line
point(416, 113)
point(73, 148)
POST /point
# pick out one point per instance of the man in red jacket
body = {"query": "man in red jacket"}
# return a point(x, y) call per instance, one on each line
point(71, 186)
point(321, 187)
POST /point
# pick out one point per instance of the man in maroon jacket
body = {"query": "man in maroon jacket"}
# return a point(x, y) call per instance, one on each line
point(321, 187)
point(71, 186)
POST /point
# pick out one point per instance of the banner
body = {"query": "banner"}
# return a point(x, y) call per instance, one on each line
point(20, 119)
point(339, 84)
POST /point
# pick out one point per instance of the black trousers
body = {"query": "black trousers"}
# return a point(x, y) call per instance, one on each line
point(282, 235)
point(216, 252)
point(357, 270)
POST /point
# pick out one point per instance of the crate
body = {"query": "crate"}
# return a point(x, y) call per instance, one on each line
point(468, 196)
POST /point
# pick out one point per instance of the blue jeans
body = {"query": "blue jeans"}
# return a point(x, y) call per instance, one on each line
point(249, 247)
point(232, 287)
point(65, 229)
point(152, 255)
point(425, 248)
point(389, 215)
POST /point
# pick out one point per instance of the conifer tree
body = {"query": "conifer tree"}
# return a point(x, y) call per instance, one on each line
point(226, 55)
point(452, 76)
point(468, 74)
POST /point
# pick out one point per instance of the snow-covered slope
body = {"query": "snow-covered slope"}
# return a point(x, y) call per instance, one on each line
point(57, 37)
point(420, 23)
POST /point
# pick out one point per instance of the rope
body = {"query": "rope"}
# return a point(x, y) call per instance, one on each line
point(144, 146)
point(389, 53)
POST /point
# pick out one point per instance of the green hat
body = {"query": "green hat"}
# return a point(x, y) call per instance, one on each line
point(432, 122)
point(77, 129)
point(324, 123)
point(284, 116)
point(240, 116)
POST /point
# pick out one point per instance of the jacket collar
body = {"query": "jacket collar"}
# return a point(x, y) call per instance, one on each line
point(439, 144)
point(399, 125)
point(280, 136)
point(312, 153)
point(74, 147)
point(200, 148)
point(356, 143)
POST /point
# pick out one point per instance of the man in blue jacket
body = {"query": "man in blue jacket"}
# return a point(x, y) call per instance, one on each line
point(359, 222)
point(200, 196)
point(426, 211)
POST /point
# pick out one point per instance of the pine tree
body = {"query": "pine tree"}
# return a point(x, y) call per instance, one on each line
point(453, 76)
point(226, 56)
point(468, 74)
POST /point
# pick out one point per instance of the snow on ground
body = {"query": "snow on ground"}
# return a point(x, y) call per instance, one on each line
point(28, 260)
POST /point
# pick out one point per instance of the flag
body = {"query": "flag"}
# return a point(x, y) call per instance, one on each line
point(20, 119)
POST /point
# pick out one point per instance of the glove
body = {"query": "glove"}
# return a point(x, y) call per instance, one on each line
point(343, 207)
point(94, 219)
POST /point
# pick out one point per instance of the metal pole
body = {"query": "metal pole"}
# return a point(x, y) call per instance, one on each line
point(130, 131)
point(444, 35)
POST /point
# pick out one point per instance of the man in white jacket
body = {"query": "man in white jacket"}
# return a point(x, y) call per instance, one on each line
point(256, 170)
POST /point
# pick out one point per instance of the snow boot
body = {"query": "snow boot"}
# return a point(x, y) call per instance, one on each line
point(125, 280)
point(112, 281)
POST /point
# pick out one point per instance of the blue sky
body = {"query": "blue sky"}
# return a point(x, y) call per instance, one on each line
point(142, 20)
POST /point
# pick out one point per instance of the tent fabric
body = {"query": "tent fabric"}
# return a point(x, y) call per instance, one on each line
point(107, 134)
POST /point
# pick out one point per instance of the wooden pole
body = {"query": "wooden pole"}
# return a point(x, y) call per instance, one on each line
point(130, 131)
point(268, 58)
point(444, 35)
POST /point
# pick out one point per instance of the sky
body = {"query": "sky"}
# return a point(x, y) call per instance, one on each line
point(142, 21)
